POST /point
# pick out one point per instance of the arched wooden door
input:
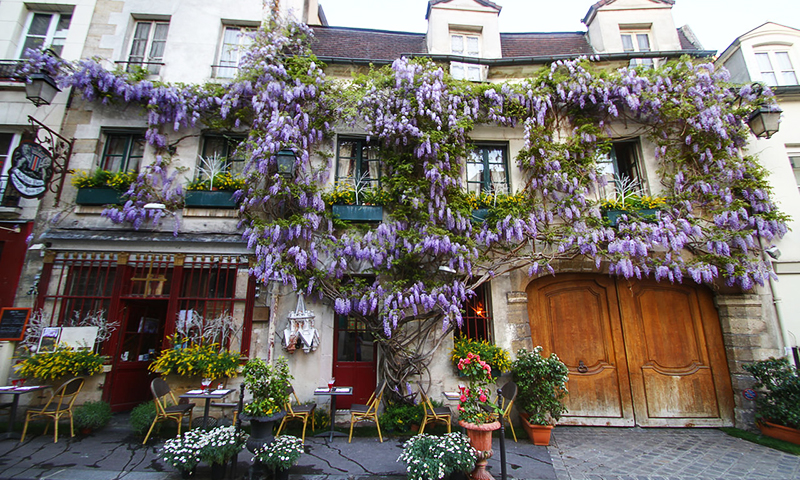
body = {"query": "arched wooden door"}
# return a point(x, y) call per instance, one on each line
point(639, 352)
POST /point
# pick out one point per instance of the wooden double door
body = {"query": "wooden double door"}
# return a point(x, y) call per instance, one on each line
point(639, 352)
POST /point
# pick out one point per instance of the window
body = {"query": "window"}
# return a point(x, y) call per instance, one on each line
point(621, 161)
point(8, 142)
point(147, 47)
point(637, 42)
point(475, 316)
point(235, 41)
point(45, 30)
point(467, 46)
point(794, 160)
point(224, 148)
point(487, 169)
point(123, 152)
point(358, 164)
point(784, 74)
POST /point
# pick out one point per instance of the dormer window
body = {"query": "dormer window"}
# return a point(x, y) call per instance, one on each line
point(466, 45)
point(776, 68)
point(637, 41)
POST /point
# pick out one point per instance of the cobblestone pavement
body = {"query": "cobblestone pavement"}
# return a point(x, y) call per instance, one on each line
point(596, 453)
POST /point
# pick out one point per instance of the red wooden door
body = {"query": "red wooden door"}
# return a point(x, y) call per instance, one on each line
point(355, 362)
point(638, 352)
point(140, 342)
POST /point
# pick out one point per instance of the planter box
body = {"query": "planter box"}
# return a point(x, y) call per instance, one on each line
point(358, 213)
point(98, 196)
point(479, 215)
point(210, 199)
point(539, 434)
point(780, 432)
point(613, 215)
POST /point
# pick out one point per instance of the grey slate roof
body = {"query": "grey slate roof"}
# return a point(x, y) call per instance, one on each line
point(364, 44)
point(544, 44)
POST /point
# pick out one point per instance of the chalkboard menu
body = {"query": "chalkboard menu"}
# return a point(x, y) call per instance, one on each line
point(13, 322)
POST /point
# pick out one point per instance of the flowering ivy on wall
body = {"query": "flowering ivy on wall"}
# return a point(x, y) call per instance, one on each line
point(716, 207)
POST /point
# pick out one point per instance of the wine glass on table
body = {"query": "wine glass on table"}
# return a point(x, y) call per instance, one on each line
point(330, 384)
point(206, 383)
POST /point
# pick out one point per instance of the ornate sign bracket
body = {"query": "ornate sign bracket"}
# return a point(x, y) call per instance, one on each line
point(60, 149)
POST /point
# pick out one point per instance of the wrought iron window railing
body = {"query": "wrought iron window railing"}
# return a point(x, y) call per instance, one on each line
point(10, 70)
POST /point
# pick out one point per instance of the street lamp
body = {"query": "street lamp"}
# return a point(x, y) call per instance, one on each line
point(764, 121)
point(41, 89)
point(286, 159)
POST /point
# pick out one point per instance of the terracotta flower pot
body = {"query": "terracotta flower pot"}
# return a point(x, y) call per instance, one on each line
point(539, 434)
point(480, 437)
point(787, 434)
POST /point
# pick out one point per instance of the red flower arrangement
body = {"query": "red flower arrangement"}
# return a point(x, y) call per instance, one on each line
point(474, 405)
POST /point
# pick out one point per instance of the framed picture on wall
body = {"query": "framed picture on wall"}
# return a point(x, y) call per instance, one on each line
point(49, 339)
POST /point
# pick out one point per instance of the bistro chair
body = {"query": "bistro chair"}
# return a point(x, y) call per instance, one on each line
point(233, 405)
point(302, 412)
point(360, 412)
point(433, 414)
point(176, 411)
point(509, 395)
point(58, 405)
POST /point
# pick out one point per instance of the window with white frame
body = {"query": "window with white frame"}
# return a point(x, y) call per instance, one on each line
point(123, 151)
point(45, 30)
point(636, 41)
point(147, 46)
point(358, 164)
point(8, 142)
point(465, 45)
point(235, 41)
point(621, 164)
point(794, 160)
point(776, 68)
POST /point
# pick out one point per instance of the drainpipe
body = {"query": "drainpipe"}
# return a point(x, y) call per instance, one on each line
point(273, 318)
point(775, 299)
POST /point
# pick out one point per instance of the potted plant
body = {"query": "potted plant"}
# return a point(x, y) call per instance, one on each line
point(401, 417)
point(215, 187)
point(209, 361)
point(218, 446)
point(280, 455)
point(428, 457)
point(356, 201)
point(630, 201)
point(102, 187)
point(267, 385)
point(778, 402)
point(183, 452)
point(497, 357)
point(476, 413)
point(542, 383)
point(64, 360)
point(92, 415)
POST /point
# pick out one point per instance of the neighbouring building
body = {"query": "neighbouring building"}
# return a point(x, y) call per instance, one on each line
point(639, 352)
point(61, 26)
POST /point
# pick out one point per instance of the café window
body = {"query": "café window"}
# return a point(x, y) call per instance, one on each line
point(476, 319)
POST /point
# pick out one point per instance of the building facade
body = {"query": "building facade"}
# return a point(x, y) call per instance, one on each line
point(640, 352)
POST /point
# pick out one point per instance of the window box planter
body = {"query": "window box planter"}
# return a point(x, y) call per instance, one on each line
point(98, 196)
point(210, 199)
point(644, 213)
point(479, 215)
point(358, 213)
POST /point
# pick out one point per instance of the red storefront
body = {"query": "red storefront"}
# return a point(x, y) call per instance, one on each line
point(144, 295)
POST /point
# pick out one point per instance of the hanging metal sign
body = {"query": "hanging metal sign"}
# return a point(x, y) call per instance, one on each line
point(31, 169)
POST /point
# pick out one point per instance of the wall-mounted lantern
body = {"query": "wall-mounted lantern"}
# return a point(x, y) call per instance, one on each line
point(41, 89)
point(286, 160)
point(764, 121)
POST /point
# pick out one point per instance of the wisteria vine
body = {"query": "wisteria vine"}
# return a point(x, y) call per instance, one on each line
point(717, 201)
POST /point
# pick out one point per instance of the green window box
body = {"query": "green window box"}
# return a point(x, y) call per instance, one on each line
point(210, 199)
point(98, 196)
point(358, 213)
point(643, 213)
point(479, 215)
